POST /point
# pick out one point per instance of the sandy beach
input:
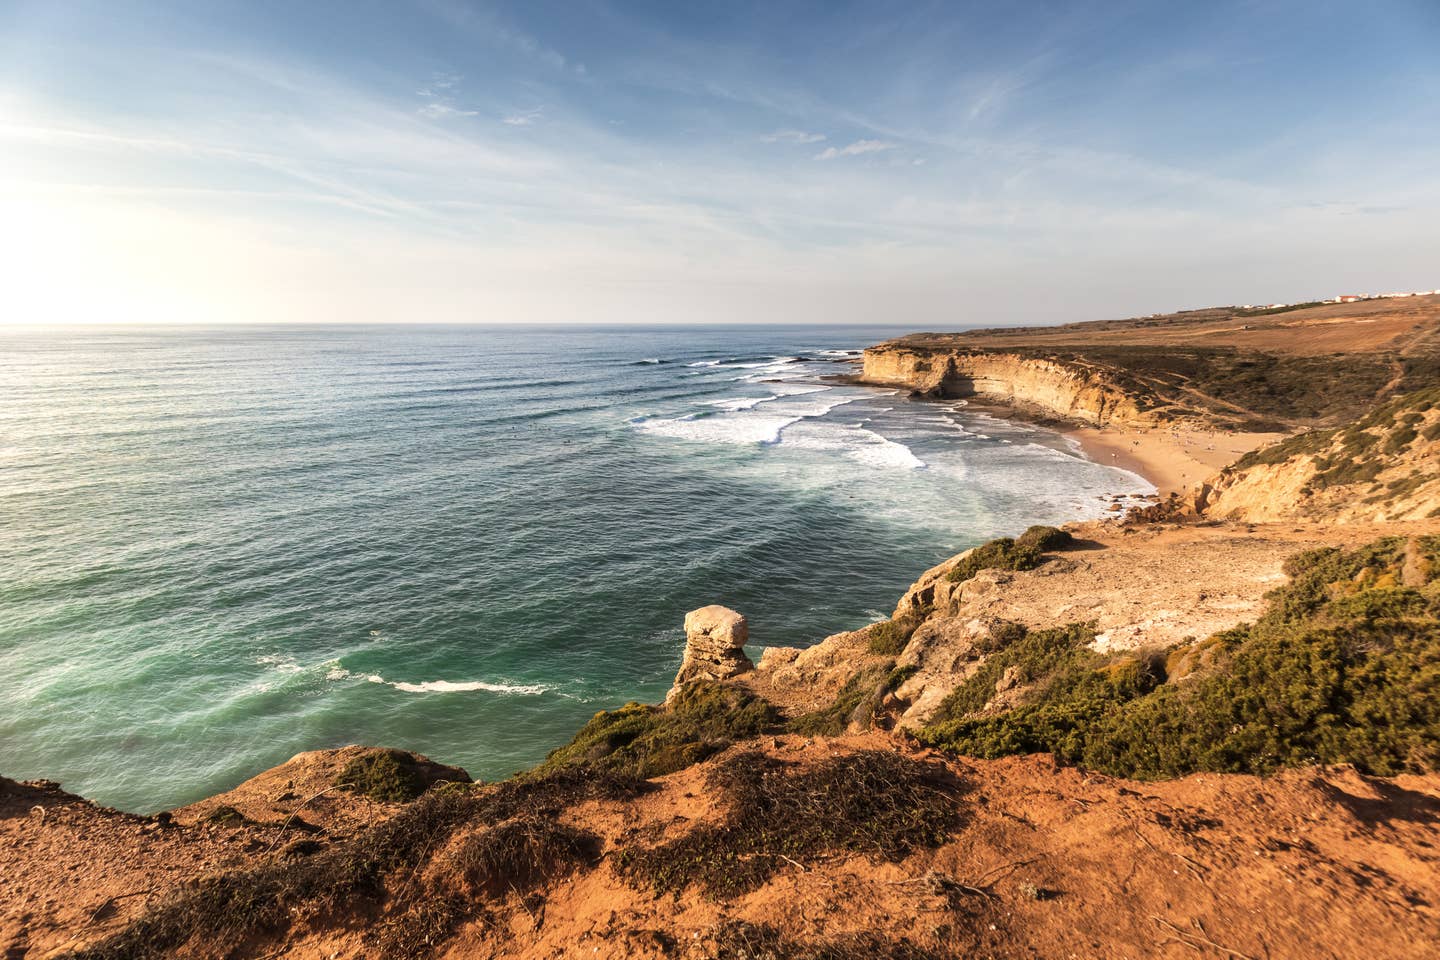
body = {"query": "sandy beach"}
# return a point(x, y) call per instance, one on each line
point(1170, 458)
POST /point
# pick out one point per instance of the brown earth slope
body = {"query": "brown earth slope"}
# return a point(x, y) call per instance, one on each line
point(1035, 861)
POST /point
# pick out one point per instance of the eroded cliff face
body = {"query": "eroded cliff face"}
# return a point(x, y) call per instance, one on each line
point(1053, 387)
point(1384, 468)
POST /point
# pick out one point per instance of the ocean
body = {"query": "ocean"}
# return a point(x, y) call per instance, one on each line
point(223, 546)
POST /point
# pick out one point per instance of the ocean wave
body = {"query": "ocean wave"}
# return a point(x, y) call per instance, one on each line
point(742, 423)
point(451, 686)
point(798, 389)
point(740, 403)
point(748, 429)
point(337, 673)
point(704, 363)
point(857, 443)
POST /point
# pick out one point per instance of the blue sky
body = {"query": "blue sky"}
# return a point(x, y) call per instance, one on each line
point(926, 164)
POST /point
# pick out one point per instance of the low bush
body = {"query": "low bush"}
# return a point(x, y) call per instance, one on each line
point(888, 637)
point(1021, 553)
point(228, 816)
point(358, 875)
point(1344, 667)
point(388, 776)
point(1044, 538)
point(876, 803)
point(649, 741)
point(519, 854)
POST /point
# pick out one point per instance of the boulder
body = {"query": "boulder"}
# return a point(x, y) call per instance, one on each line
point(714, 646)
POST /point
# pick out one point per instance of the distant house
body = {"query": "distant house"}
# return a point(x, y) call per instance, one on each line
point(1348, 298)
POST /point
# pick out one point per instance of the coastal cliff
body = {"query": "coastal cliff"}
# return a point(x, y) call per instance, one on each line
point(1133, 736)
point(874, 796)
point(1053, 387)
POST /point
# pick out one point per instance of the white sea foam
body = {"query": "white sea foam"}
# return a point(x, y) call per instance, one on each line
point(280, 663)
point(740, 403)
point(746, 427)
point(450, 686)
point(855, 442)
point(743, 423)
point(797, 389)
point(337, 672)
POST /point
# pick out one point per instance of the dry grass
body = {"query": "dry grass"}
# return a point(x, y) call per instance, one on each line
point(875, 803)
point(220, 914)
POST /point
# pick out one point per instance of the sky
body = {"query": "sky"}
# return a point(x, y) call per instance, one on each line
point(931, 165)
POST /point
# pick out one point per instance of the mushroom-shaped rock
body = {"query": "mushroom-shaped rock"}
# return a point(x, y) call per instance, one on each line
point(714, 646)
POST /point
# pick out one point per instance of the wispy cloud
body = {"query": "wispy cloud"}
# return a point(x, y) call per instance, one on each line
point(792, 136)
point(440, 92)
point(524, 118)
point(439, 111)
point(855, 149)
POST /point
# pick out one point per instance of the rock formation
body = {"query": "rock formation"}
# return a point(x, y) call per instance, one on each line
point(1054, 388)
point(715, 639)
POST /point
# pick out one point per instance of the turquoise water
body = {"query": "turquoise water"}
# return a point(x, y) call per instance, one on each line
point(223, 546)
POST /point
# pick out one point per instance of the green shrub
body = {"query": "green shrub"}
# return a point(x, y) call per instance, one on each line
point(648, 741)
point(1044, 538)
point(1344, 667)
point(888, 637)
point(897, 677)
point(1034, 655)
point(388, 776)
point(228, 816)
point(1005, 553)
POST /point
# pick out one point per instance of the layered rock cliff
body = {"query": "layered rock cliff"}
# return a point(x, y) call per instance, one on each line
point(1051, 386)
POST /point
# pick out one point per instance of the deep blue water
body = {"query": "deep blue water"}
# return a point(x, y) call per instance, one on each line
point(219, 547)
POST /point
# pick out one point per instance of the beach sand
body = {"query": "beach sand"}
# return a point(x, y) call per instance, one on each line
point(1171, 459)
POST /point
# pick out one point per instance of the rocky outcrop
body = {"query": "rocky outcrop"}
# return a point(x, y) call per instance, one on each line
point(942, 654)
point(1054, 387)
point(715, 638)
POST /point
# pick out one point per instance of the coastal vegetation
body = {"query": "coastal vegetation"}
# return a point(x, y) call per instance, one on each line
point(388, 776)
point(863, 689)
point(755, 792)
point(641, 740)
point(1021, 553)
point(1343, 668)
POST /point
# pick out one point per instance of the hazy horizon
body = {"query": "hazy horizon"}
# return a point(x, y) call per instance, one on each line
point(926, 165)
